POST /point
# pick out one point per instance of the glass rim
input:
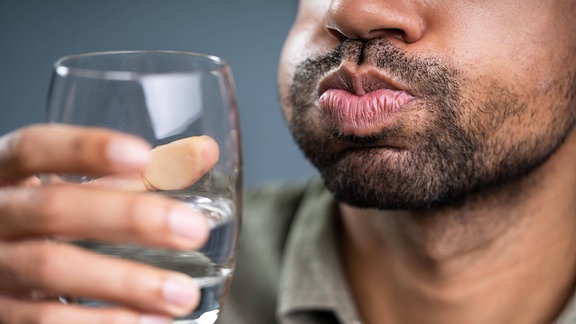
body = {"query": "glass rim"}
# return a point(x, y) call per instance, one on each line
point(62, 69)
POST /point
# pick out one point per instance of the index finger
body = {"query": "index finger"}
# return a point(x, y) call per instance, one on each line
point(69, 149)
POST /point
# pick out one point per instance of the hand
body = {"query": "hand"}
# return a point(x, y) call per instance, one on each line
point(32, 268)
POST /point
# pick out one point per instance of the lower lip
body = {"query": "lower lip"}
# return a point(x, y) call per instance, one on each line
point(366, 114)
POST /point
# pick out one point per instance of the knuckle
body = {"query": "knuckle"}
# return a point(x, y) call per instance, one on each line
point(15, 146)
point(9, 145)
point(144, 214)
point(20, 212)
point(19, 265)
point(140, 280)
point(131, 280)
point(11, 199)
point(50, 202)
point(31, 211)
point(21, 313)
point(48, 261)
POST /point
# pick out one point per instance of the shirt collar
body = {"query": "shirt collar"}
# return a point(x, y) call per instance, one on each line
point(312, 278)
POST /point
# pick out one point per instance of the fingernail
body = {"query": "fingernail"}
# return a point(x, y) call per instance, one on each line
point(188, 223)
point(181, 292)
point(128, 153)
point(153, 319)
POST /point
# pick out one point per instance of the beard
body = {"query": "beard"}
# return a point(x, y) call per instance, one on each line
point(451, 144)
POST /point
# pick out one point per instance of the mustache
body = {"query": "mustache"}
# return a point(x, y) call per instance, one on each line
point(426, 77)
point(430, 79)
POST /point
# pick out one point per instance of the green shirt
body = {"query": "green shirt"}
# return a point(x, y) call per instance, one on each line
point(288, 268)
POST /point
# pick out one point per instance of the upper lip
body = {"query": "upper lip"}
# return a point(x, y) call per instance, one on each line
point(359, 81)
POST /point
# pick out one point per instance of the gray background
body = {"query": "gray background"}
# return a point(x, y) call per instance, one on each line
point(247, 33)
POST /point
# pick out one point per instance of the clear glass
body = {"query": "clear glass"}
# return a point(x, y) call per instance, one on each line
point(163, 96)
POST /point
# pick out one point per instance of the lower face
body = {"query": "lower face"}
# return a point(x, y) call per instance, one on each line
point(462, 133)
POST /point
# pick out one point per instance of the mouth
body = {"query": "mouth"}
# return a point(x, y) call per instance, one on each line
point(362, 101)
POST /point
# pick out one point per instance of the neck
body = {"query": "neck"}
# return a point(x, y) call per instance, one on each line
point(476, 263)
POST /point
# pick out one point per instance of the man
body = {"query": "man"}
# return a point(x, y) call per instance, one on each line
point(445, 131)
point(444, 134)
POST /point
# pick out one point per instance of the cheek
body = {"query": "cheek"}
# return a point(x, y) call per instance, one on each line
point(512, 116)
point(514, 82)
point(289, 59)
point(509, 88)
point(285, 76)
point(307, 39)
point(295, 51)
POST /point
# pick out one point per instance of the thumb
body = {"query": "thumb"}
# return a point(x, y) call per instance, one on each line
point(173, 166)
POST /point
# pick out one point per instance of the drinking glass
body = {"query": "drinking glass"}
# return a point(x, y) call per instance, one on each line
point(163, 96)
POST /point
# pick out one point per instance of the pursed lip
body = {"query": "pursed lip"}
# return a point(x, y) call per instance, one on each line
point(361, 102)
point(359, 80)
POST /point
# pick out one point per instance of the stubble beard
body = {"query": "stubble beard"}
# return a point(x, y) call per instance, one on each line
point(451, 155)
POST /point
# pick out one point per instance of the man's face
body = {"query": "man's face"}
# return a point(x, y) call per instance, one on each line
point(417, 104)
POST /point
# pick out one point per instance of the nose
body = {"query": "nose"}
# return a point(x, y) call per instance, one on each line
point(368, 19)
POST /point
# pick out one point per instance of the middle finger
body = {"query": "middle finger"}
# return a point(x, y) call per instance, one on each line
point(116, 216)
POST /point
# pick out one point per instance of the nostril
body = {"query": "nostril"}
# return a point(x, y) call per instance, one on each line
point(395, 33)
point(390, 33)
point(337, 34)
point(362, 21)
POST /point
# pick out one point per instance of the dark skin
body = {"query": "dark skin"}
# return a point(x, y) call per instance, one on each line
point(115, 209)
point(460, 205)
point(473, 254)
